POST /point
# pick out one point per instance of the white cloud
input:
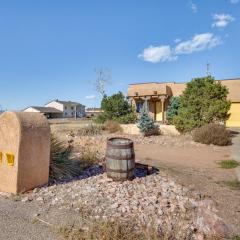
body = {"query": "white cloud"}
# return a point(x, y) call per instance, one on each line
point(193, 7)
point(198, 43)
point(234, 1)
point(222, 20)
point(166, 53)
point(90, 97)
point(161, 53)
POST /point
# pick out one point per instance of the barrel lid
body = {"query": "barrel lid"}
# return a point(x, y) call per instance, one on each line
point(120, 142)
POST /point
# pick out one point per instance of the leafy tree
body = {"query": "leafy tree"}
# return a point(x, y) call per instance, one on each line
point(203, 101)
point(172, 109)
point(146, 123)
point(117, 108)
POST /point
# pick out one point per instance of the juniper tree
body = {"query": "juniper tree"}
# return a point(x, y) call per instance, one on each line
point(203, 101)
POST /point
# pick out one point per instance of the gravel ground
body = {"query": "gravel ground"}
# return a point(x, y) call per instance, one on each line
point(151, 200)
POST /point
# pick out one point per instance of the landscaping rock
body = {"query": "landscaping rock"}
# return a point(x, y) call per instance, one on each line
point(154, 199)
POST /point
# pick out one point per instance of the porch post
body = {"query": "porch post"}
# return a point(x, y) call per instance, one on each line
point(163, 104)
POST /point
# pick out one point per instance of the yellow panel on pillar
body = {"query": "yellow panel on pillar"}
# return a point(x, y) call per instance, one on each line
point(159, 111)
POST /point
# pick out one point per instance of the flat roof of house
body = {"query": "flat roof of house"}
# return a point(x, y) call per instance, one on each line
point(227, 79)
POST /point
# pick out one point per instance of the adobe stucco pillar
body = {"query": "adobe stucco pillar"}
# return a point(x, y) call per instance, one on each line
point(24, 151)
point(163, 108)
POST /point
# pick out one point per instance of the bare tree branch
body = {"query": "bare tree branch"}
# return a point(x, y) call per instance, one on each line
point(103, 77)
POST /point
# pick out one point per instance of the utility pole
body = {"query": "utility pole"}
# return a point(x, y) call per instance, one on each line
point(208, 69)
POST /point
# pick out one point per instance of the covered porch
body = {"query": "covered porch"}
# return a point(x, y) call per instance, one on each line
point(156, 105)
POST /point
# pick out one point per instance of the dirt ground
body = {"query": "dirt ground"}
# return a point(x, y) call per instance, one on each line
point(191, 165)
point(197, 169)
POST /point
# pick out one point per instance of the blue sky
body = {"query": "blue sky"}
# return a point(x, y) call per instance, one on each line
point(49, 49)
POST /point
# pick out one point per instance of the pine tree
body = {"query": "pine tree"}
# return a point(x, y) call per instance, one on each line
point(172, 109)
point(146, 124)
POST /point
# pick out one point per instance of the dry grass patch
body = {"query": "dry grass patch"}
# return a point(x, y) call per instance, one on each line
point(62, 167)
point(234, 185)
point(90, 130)
point(113, 126)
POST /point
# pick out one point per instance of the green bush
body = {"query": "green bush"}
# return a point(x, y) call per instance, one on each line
point(212, 134)
point(172, 109)
point(146, 124)
point(203, 101)
point(116, 108)
point(127, 119)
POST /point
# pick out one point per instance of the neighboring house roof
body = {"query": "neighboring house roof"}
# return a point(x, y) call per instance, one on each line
point(66, 102)
point(46, 109)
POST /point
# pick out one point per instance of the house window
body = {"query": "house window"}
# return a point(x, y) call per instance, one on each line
point(72, 108)
point(65, 107)
point(139, 106)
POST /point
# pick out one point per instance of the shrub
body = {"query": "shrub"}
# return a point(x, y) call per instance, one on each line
point(172, 109)
point(116, 108)
point(88, 156)
point(62, 167)
point(101, 118)
point(112, 126)
point(212, 134)
point(128, 118)
point(90, 130)
point(228, 164)
point(203, 101)
point(146, 124)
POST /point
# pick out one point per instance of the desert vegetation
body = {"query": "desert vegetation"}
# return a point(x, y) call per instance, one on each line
point(212, 134)
point(146, 124)
point(203, 101)
point(116, 108)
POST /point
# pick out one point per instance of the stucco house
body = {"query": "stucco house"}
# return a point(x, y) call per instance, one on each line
point(157, 96)
point(59, 109)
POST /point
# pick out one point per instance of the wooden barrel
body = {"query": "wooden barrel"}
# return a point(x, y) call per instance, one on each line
point(120, 159)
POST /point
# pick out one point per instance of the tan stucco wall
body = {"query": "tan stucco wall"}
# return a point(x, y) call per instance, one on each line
point(176, 89)
point(27, 137)
point(165, 129)
point(147, 89)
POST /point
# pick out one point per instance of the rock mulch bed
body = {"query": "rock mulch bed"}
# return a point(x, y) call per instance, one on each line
point(154, 200)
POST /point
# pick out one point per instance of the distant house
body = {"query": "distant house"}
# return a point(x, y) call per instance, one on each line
point(93, 112)
point(59, 109)
point(49, 112)
point(68, 108)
